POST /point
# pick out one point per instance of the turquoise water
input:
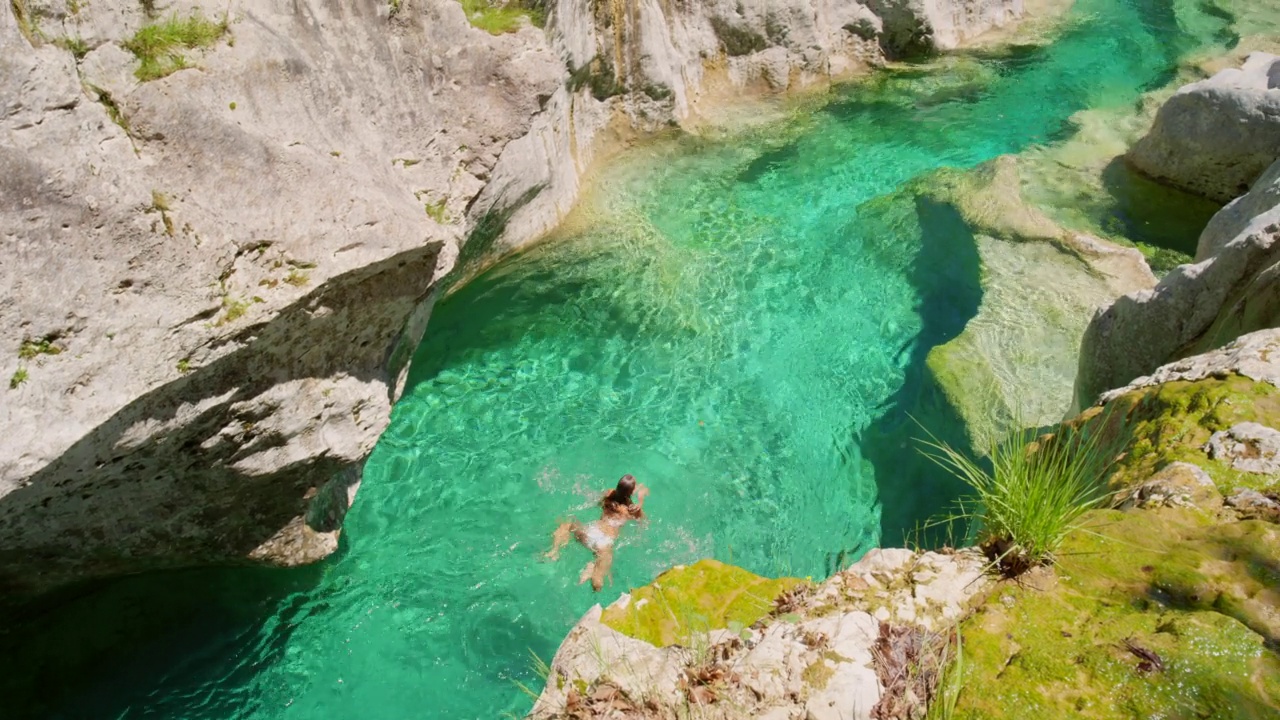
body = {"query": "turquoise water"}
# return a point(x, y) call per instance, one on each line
point(740, 323)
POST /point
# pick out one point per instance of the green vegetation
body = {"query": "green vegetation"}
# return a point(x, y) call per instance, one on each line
point(1172, 422)
point(160, 204)
point(159, 46)
point(113, 109)
point(31, 348)
point(737, 40)
point(1196, 595)
point(1034, 492)
point(437, 211)
point(297, 278)
point(26, 23)
point(232, 105)
point(950, 680)
point(690, 600)
point(19, 377)
point(75, 45)
point(184, 366)
point(498, 18)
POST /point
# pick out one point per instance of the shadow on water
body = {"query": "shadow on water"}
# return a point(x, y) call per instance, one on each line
point(1146, 211)
point(946, 273)
point(101, 650)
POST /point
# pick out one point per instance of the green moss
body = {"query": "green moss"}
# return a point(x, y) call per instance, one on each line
point(159, 46)
point(689, 600)
point(737, 40)
point(818, 674)
point(1172, 422)
point(438, 211)
point(1054, 646)
point(498, 19)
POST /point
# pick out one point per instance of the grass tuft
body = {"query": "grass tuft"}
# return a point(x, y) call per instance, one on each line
point(159, 46)
point(1033, 492)
point(19, 377)
point(31, 348)
point(74, 45)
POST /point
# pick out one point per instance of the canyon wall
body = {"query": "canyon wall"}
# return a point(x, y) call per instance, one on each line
point(214, 278)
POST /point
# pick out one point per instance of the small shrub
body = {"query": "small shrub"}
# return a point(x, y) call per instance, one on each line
point(31, 348)
point(19, 377)
point(1035, 490)
point(159, 47)
point(184, 366)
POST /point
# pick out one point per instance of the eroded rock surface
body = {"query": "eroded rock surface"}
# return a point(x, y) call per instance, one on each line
point(808, 652)
point(1216, 136)
point(1232, 291)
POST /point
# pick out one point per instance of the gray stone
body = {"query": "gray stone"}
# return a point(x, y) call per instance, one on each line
point(1248, 447)
point(1253, 505)
point(1255, 356)
point(1194, 308)
point(1216, 136)
point(1178, 484)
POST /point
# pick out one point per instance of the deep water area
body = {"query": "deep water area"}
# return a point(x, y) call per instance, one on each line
point(740, 322)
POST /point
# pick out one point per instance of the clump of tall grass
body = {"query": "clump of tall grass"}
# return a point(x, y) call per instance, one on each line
point(1031, 492)
point(159, 46)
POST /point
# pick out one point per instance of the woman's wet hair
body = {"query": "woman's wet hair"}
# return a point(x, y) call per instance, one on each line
point(621, 495)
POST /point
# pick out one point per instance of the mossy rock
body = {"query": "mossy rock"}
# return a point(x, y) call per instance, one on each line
point(690, 600)
point(1173, 421)
point(1171, 581)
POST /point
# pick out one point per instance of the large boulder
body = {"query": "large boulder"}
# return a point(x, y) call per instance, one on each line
point(1216, 136)
point(1233, 290)
point(914, 27)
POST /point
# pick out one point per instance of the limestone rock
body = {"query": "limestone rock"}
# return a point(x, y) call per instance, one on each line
point(215, 278)
point(912, 27)
point(1196, 307)
point(1178, 484)
point(814, 661)
point(1249, 447)
point(1252, 504)
point(1216, 136)
point(1253, 356)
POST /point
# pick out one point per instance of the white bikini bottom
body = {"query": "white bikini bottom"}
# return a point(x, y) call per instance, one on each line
point(595, 538)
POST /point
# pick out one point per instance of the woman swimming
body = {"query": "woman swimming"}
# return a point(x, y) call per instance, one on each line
point(616, 508)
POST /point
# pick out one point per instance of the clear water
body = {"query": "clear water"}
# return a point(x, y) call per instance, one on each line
point(740, 323)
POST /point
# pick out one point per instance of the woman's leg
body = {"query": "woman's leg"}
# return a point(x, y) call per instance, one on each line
point(560, 538)
point(598, 569)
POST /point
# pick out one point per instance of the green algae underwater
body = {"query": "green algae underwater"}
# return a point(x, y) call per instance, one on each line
point(740, 322)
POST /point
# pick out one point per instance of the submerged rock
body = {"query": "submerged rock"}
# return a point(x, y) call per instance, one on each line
point(1216, 136)
point(1041, 283)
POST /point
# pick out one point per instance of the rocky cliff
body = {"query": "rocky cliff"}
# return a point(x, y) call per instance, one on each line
point(225, 226)
point(1231, 289)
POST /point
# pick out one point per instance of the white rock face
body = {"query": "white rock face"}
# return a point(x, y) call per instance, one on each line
point(1255, 356)
point(1231, 291)
point(213, 281)
point(815, 663)
point(1215, 137)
